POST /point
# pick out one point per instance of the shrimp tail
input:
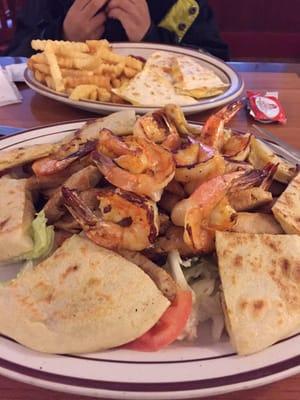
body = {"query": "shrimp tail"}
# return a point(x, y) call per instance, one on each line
point(104, 163)
point(255, 178)
point(80, 212)
point(228, 112)
point(84, 150)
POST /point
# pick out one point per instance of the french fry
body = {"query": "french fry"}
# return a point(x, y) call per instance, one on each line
point(39, 76)
point(116, 83)
point(134, 63)
point(54, 68)
point(49, 82)
point(100, 81)
point(43, 68)
point(104, 95)
point(114, 71)
point(130, 72)
point(110, 57)
point(75, 73)
point(81, 92)
point(95, 45)
point(38, 44)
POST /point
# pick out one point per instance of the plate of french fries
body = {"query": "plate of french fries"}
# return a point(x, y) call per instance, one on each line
point(101, 77)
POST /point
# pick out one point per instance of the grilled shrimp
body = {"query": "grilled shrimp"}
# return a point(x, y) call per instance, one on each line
point(158, 128)
point(62, 159)
point(134, 164)
point(208, 208)
point(127, 221)
point(212, 133)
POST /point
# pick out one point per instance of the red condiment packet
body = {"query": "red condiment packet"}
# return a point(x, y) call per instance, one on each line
point(265, 107)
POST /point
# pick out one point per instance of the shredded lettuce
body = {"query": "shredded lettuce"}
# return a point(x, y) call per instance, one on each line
point(43, 238)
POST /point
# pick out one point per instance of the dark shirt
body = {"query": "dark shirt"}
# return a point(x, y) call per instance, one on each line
point(43, 19)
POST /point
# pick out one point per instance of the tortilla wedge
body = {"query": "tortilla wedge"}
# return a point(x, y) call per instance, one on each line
point(287, 207)
point(260, 276)
point(82, 299)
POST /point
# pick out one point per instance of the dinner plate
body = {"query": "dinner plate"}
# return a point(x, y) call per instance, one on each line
point(224, 71)
point(183, 370)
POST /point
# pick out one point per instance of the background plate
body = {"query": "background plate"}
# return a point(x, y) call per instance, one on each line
point(183, 370)
point(224, 71)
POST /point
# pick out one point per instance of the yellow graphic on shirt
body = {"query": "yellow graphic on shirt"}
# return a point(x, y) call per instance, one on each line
point(181, 17)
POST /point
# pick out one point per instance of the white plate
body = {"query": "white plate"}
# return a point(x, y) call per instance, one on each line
point(224, 71)
point(183, 370)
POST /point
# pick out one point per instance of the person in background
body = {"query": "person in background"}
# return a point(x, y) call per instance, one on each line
point(180, 22)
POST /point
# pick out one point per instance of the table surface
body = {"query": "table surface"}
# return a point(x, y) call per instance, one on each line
point(36, 110)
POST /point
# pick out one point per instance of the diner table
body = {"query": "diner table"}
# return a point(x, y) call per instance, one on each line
point(36, 110)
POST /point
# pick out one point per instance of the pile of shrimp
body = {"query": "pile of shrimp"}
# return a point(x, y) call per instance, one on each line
point(165, 186)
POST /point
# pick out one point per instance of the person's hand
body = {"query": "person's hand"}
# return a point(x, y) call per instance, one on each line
point(134, 16)
point(82, 21)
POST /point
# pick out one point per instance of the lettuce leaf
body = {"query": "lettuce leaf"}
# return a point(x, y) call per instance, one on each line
point(43, 238)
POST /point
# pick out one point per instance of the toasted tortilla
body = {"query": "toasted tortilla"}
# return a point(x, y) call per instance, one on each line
point(16, 216)
point(256, 223)
point(82, 299)
point(192, 79)
point(287, 207)
point(260, 278)
point(24, 155)
point(152, 88)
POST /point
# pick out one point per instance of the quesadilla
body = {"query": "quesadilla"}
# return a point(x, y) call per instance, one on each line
point(24, 155)
point(287, 207)
point(16, 216)
point(256, 223)
point(260, 278)
point(152, 88)
point(81, 299)
point(192, 79)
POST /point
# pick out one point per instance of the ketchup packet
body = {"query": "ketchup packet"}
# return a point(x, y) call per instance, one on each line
point(265, 107)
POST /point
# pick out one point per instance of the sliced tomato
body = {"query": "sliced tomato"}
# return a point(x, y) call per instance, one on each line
point(169, 326)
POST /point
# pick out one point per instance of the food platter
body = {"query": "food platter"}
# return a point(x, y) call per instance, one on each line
point(224, 71)
point(182, 370)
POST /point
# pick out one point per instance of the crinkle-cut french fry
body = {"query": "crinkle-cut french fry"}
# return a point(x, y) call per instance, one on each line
point(38, 44)
point(116, 83)
point(75, 73)
point(133, 63)
point(95, 45)
point(44, 68)
point(130, 72)
point(110, 57)
point(71, 53)
point(124, 80)
point(54, 68)
point(39, 58)
point(83, 92)
point(104, 95)
point(39, 76)
point(114, 71)
point(49, 82)
point(100, 81)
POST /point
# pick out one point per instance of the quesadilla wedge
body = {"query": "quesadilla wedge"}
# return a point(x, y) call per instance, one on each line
point(287, 207)
point(152, 87)
point(192, 79)
point(81, 299)
point(256, 223)
point(260, 277)
point(24, 155)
